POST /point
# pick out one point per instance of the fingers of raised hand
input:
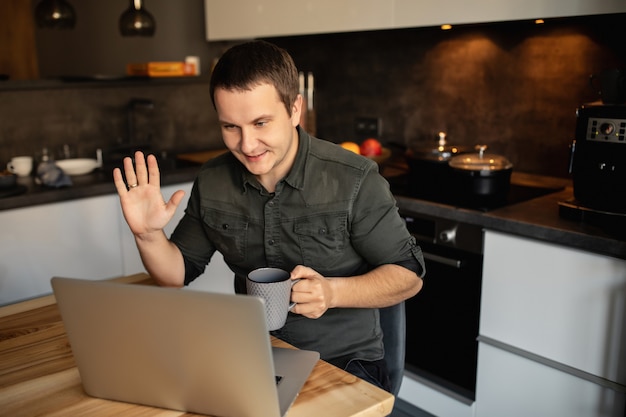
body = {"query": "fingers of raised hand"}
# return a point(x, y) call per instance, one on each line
point(118, 180)
point(140, 171)
point(135, 172)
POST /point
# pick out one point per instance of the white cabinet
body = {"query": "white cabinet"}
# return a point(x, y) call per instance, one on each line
point(85, 238)
point(426, 396)
point(415, 13)
point(513, 386)
point(242, 19)
point(561, 314)
point(78, 238)
point(564, 304)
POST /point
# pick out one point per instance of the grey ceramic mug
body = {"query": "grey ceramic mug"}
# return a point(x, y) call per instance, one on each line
point(274, 286)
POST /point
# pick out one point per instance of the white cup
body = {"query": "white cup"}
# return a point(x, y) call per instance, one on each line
point(21, 165)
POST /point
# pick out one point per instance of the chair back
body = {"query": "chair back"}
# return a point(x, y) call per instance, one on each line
point(393, 324)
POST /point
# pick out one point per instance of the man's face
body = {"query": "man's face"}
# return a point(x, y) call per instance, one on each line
point(257, 129)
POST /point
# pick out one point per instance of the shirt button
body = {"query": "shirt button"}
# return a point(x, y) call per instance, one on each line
point(271, 204)
point(225, 226)
point(322, 230)
point(271, 242)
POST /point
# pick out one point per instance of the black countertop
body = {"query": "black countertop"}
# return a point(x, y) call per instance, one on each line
point(538, 218)
point(100, 182)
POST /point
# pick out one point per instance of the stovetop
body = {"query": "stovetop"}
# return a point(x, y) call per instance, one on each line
point(517, 193)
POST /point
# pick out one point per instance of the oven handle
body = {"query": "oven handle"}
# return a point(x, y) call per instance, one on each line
point(454, 263)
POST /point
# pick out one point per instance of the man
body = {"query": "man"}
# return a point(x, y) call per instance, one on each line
point(282, 198)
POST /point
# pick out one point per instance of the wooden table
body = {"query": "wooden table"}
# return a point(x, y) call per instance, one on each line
point(38, 376)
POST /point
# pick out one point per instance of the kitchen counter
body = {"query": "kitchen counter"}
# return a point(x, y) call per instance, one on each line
point(538, 218)
point(100, 182)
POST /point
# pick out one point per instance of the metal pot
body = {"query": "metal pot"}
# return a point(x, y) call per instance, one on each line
point(481, 176)
point(428, 167)
point(438, 154)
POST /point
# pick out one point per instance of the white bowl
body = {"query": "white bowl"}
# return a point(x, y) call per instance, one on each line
point(77, 166)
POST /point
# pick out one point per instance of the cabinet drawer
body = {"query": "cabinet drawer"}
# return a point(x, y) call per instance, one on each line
point(563, 304)
point(514, 386)
point(76, 239)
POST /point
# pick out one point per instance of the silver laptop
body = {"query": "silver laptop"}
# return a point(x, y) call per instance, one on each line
point(193, 351)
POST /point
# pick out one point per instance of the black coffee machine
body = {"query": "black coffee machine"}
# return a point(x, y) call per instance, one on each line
point(598, 157)
point(598, 160)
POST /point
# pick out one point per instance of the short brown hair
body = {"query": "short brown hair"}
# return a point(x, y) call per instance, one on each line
point(252, 63)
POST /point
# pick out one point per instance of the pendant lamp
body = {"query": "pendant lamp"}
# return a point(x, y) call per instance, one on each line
point(55, 14)
point(137, 21)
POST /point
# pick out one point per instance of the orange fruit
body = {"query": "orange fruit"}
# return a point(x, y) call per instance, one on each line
point(351, 146)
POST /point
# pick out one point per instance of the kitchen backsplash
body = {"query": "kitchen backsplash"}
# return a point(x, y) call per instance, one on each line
point(180, 118)
point(514, 86)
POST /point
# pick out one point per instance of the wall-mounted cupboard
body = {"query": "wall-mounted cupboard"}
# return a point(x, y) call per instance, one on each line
point(242, 19)
point(415, 13)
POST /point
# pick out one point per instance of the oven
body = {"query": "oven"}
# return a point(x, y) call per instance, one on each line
point(442, 320)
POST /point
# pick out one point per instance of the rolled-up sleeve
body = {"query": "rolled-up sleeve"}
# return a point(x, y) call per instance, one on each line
point(378, 232)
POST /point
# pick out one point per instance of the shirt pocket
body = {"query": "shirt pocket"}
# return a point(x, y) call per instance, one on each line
point(228, 232)
point(322, 238)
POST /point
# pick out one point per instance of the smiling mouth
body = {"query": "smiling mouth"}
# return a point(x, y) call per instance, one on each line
point(254, 158)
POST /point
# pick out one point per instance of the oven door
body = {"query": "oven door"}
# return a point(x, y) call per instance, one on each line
point(442, 320)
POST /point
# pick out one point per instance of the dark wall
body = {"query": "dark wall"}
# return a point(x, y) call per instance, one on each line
point(87, 117)
point(95, 45)
point(514, 86)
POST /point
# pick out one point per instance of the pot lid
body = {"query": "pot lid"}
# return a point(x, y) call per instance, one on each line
point(442, 152)
point(480, 161)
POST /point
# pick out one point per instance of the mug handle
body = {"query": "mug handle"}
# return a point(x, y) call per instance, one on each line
point(292, 304)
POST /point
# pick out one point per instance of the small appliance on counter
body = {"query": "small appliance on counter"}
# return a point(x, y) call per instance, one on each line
point(598, 166)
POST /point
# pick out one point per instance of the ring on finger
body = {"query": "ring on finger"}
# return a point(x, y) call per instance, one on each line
point(132, 185)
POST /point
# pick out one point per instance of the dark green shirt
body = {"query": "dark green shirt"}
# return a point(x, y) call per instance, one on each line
point(333, 212)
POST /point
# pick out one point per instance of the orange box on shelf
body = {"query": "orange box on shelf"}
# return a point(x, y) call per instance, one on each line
point(159, 69)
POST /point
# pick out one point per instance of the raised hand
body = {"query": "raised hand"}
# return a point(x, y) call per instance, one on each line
point(143, 205)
